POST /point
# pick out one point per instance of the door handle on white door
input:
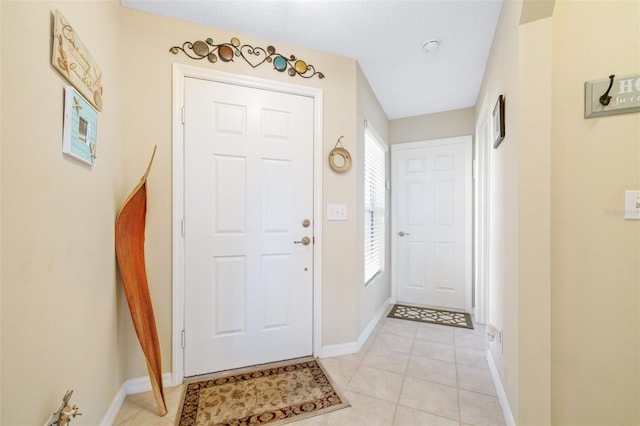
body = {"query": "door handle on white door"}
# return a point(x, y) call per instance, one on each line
point(402, 234)
point(305, 241)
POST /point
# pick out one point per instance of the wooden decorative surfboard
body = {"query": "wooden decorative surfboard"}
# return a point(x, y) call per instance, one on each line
point(130, 230)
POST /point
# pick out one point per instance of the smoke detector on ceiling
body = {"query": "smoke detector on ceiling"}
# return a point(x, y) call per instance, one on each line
point(431, 46)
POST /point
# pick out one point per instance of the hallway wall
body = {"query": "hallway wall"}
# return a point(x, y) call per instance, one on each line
point(595, 269)
point(502, 78)
point(60, 294)
point(460, 122)
point(148, 121)
point(565, 275)
point(372, 297)
point(64, 319)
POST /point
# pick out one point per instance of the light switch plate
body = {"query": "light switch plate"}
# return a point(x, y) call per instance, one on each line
point(632, 204)
point(336, 212)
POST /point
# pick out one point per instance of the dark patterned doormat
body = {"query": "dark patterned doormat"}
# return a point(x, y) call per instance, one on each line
point(431, 316)
point(272, 396)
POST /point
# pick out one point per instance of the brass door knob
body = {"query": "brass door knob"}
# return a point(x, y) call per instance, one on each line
point(305, 241)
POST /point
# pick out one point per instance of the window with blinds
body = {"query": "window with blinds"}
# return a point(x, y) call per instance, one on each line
point(374, 206)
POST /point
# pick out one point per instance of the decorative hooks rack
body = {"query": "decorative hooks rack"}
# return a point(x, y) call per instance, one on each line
point(254, 56)
point(606, 98)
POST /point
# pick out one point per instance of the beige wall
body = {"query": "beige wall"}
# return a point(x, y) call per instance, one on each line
point(595, 269)
point(564, 271)
point(70, 326)
point(501, 77)
point(534, 224)
point(60, 296)
point(149, 38)
point(446, 124)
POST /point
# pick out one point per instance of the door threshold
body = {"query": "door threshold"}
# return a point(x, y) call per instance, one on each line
point(248, 369)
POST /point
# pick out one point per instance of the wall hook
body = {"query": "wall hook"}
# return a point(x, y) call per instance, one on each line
point(605, 98)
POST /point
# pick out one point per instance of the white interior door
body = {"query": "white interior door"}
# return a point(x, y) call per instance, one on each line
point(248, 190)
point(432, 222)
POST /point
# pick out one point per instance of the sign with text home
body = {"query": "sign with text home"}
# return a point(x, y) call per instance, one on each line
point(75, 63)
point(613, 95)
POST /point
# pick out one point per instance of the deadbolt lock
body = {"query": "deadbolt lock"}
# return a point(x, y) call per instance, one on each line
point(306, 223)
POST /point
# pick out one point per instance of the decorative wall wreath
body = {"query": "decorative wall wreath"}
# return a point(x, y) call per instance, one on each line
point(339, 158)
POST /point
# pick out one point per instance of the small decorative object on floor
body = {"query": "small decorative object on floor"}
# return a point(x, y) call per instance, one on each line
point(431, 316)
point(65, 412)
point(274, 395)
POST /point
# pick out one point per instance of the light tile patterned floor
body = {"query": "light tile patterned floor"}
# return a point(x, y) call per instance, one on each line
point(407, 373)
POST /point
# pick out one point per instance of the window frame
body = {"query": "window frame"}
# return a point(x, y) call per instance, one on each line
point(375, 205)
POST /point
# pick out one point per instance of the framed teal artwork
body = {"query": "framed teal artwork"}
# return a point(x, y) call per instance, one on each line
point(80, 129)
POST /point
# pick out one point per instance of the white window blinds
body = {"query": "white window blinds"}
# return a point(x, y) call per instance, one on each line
point(374, 206)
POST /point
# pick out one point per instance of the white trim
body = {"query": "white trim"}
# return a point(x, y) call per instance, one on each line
point(370, 165)
point(143, 384)
point(372, 324)
point(466, 139)
point(131, 386)
point(340, 349)
point(180, 72)
point(481, 216)
point(354, 347)
point(115, 406)
point(502, 395)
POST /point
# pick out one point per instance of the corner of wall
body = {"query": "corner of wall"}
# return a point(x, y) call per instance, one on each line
point(534, 223)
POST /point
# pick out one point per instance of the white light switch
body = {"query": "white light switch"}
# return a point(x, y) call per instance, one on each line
point(632, 204)
point(336, 212)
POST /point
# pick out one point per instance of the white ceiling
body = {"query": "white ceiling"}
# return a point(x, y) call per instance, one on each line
point(384, 36)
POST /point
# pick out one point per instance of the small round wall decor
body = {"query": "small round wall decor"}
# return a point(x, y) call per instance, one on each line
point(339, 158)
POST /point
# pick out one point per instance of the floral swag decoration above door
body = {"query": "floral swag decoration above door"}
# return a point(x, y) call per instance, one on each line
point(254, 56)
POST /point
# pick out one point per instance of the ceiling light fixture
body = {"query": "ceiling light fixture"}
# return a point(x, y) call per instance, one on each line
point(431, 46)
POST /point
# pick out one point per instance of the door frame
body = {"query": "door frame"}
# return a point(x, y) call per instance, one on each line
point(467, 139)
point(482, 195)
point(180, 72)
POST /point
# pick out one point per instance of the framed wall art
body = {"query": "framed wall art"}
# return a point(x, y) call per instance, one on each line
point(74, 61)
point(498, 122)
point(80, 128)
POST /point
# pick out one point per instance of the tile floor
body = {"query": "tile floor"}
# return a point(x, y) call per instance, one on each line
point(407, 373)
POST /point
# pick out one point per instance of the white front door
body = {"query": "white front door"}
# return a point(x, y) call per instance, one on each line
point(248, 188)
point(432, 222)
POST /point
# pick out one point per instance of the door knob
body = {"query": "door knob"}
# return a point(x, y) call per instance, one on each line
point(402, 233)
point(305, 241)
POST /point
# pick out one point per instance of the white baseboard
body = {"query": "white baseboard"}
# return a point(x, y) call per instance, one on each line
point(502, 395)
point(131, 386)
point(329, 351)
point(353, 347)
point(143, 384)
point(116, 405)
point(372, 324)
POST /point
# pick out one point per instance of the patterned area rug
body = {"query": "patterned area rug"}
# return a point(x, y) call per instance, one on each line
point(273, 396)
point(431, 316)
